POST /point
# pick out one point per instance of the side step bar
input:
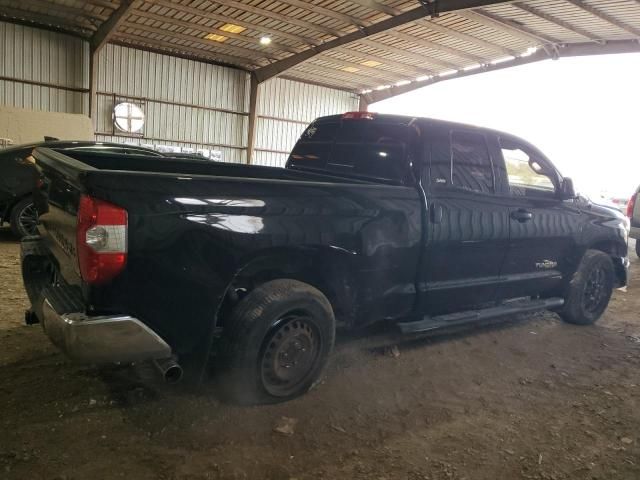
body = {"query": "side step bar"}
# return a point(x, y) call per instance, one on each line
point(469, 316)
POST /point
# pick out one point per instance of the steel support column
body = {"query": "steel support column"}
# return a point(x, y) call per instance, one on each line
point(253, 117)
point(93, 89)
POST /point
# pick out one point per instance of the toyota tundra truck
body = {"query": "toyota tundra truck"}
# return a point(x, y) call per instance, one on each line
point(424, 223)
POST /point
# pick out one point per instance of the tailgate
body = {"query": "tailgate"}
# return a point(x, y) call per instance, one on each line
point(57, 201)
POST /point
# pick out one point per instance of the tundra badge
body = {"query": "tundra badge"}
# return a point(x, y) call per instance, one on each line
point(546, 264)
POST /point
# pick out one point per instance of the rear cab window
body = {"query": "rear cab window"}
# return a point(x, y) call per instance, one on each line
point(364, 149)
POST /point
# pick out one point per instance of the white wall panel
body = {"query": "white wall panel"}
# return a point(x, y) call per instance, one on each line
point(33, 62)
point(188, 103)
point(285, 108)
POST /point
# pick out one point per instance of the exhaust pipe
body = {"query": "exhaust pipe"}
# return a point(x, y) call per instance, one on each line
point(169, 369)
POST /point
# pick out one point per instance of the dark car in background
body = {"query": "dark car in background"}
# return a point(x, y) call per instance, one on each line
point(16, 177)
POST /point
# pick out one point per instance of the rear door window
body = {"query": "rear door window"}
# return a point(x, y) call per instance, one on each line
point(462, 160)
point(471, 164)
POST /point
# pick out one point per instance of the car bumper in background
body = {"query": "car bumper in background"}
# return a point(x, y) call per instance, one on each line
point(102, 339)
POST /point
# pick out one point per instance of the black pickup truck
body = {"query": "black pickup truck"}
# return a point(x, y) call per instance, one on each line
point(427, 223)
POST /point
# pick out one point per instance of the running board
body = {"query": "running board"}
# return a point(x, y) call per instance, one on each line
point(469, 316)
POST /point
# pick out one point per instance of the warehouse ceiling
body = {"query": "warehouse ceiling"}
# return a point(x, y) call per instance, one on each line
point(377, 48)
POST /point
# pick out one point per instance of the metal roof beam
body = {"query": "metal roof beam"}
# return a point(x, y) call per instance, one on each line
point(569, 50)
point(33, 19)
point(203, 28)
point(110, 26)
point(246, 7)
point(226, 19)
point(358, 81)
point(403, 18)
point(327, 12)
point(417, 57)
point(373, 71)
point(407, 69)
point(506, 25)
point(239, 51)
point(205, 55)
point(377, 6)
point(465, 37)
point(433, 45)
point(606, 17)
point(557, 21)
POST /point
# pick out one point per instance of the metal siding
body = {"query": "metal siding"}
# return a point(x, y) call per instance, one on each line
point(37, 55)
point(289, 106)
point(180, 98)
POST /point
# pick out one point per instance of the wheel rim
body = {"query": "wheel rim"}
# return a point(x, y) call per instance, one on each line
point(290, 355)
point(28, 219)
point(595, 291)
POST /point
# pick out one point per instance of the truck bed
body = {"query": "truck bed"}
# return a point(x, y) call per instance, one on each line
point(194, 226)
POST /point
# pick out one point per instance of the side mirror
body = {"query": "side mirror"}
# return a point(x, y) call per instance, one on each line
point(567, 192)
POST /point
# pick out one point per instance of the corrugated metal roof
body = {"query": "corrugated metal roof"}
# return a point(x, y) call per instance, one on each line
point(449, 42)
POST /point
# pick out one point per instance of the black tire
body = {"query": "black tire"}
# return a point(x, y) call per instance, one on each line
point(276, 343)
point(638, 247)
point(24, 218)
point(589, 290)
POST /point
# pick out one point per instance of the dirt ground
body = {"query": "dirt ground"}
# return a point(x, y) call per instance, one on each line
point(529, 398)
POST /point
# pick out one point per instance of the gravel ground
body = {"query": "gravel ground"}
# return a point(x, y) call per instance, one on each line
point(530, 398)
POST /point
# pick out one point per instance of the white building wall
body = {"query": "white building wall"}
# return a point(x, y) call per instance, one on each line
point(285, 108)
point(43, 70)
point(186, 103)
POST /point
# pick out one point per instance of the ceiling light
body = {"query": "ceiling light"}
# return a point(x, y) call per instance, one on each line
point(350, 69)
point(472, 67)
point(231, 28)
point(370, 63)
point(423, 78)
point(265, 40)
point(215, 37)
point(447, 73)
point(383, 87)
point(403, 82)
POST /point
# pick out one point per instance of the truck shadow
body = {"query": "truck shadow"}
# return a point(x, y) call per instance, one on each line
point(7, 236)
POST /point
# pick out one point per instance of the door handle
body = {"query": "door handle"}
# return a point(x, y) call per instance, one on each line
point(435, 212)
point(521, 215)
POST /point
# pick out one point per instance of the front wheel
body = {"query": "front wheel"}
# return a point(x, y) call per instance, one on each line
point(277, 342)
point(590, 289)
point(24, 218)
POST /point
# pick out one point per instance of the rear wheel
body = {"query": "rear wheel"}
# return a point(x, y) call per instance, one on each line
point(24, 218)
point(590, 289)
point(638, 247)
point(277, 342)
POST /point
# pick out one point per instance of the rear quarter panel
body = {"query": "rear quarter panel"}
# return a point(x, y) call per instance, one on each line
point(189, 236)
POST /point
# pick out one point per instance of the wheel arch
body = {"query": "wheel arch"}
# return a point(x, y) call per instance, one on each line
point(617, 251)
point(324, 268)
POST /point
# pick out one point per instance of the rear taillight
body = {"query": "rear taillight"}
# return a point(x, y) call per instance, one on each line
point(101, 240)
point(631, 205)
